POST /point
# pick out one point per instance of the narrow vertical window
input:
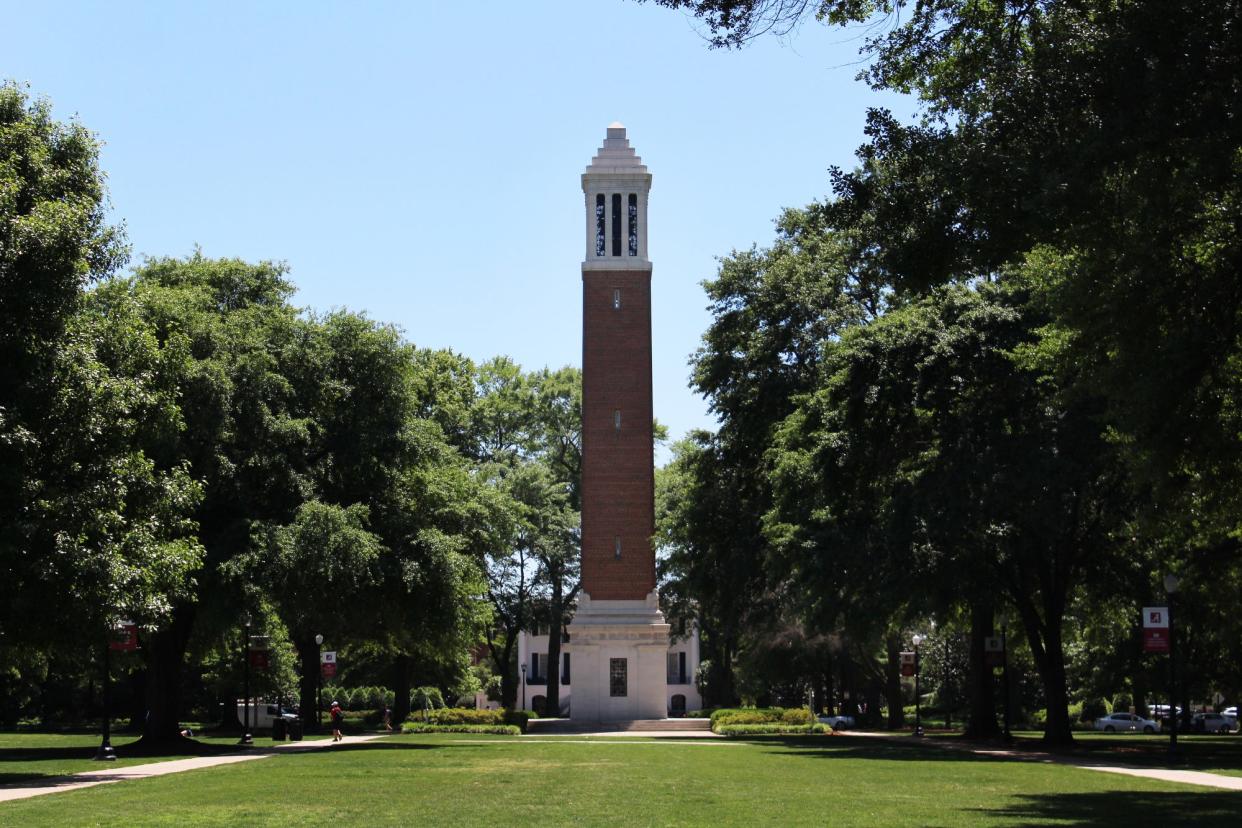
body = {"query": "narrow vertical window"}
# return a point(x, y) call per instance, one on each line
point(617, 549)
point(633, 224)
point(616, 419)
point(616, 224)
point(599, 224)
point(565, 670)
point(616, 298)
point(618, 678)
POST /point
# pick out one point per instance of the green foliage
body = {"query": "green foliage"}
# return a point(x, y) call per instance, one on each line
point(520, 718)
point(1092, 709)
point(756, 715)
point(770, 729)
point(464, 715)
point(493, 729)
point(426, 698)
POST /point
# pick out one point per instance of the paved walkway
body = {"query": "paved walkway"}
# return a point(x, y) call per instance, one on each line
point(105, 776)
point(1188, 777)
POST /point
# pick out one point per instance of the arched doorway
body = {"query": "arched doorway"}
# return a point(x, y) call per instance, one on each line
point(677, 707)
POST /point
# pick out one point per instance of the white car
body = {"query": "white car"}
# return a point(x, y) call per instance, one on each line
point(1126, 723)
point(262, 714)
point(1212, 723)
point(837, 722)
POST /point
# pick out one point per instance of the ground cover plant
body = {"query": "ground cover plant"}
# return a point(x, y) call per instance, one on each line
point(473, 780)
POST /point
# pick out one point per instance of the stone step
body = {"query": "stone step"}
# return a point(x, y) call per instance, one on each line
point(550, 726)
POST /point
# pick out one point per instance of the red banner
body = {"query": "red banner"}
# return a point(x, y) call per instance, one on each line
point(258, 659)
point(124, 637)
point(907, 664)
point(328, 668)
point(1155, 629)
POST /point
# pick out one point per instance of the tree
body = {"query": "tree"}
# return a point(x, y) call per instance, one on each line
point(93, 527)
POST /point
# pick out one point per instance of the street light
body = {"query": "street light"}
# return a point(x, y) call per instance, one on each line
point(106, 753)
point(1171, 583)
point(246, 739)
point(1005, 679)
point(918, 708)
point(319, 682)
point(523, 686)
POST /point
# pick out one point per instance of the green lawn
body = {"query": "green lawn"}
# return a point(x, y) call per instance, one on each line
point(467, 780)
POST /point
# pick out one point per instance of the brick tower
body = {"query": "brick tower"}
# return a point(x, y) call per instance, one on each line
point(618, 637)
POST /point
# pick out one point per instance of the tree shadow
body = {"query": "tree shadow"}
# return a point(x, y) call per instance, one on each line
point(1129, 808)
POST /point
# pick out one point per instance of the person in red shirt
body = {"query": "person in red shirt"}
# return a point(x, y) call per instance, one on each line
point(338, 718)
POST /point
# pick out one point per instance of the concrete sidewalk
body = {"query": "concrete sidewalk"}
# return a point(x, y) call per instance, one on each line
point(105, 776)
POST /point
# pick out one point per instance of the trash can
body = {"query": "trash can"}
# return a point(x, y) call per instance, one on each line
point(280, 730)
point(295, 730)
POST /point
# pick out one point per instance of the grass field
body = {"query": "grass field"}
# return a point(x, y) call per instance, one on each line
point(467, 780)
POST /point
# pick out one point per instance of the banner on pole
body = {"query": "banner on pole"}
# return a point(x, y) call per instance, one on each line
point(993, 651)
point(124, 637)
point(1155, 629)
point(907, 664)
point(327, 663)
point(258, 659)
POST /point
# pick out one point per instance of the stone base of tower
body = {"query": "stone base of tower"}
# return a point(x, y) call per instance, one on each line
point(633, 631)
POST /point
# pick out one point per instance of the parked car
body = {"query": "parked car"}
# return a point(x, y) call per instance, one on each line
point(1126, 723)
point(837, 722)
point(1211, 723)
point(263, 714)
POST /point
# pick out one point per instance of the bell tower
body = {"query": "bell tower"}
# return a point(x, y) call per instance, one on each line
point(618, 637)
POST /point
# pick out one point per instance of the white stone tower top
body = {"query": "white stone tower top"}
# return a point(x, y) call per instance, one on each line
point(616, 185)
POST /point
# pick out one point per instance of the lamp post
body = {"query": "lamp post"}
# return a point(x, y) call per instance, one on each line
point(918, 706)
point(106, 753)
point(1171, 583)
point(948, 713)
point(523, 685)
point(1005, 678)
point(319, 681)
point(246, 738)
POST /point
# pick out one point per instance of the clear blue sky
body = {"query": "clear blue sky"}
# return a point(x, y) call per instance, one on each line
point(421, 161)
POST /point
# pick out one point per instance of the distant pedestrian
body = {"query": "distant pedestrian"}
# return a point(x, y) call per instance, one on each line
point(387, 719)
point(338, 719)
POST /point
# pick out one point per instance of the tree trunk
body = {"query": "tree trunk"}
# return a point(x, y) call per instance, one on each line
point(892, 684)
point(401, 681)
point(165, 661)
point(308, 658)
point(982, 719)
point(556, 618)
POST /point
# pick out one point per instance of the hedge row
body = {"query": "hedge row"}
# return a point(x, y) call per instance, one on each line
point(496, 730)
point(762, 715)
point(770, 729)
point(470, 717)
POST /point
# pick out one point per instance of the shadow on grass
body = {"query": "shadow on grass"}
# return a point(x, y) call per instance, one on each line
point(1203, 810)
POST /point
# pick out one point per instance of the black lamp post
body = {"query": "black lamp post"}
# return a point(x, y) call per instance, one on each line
point(1005, 678)
point(918, 705)
point(246, 738)
point(523, 685)
point(319, 681)
point(1171, 583)
point(106, 752)
point(948, 712)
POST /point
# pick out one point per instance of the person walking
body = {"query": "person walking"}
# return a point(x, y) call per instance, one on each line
point(387, 719)
point(338, 719)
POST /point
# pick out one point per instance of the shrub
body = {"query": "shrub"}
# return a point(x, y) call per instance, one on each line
point(518, 718)
point(770, 729)
point(1122, 702)
point(1093, 709)
point(460, 716)
point(705, 713)
point(426, 697)
point(762, 715)
point(496, 730)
